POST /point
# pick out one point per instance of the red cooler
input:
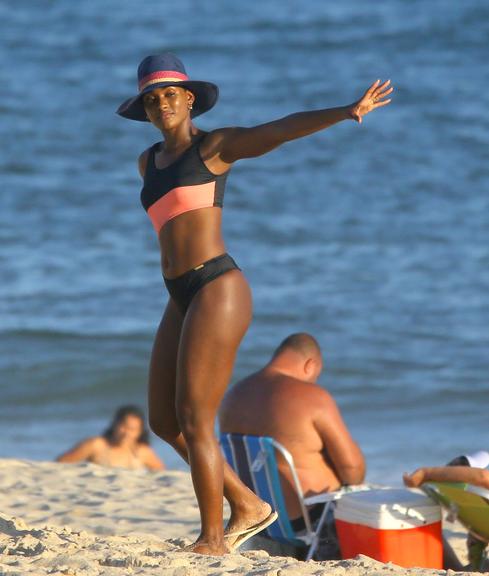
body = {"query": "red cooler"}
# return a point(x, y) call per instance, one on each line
point(392, 525)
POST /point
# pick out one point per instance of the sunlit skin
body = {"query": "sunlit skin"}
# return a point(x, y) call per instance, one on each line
point(283, 401)
point(187, 377)
point(476, 476)
point(125, 451)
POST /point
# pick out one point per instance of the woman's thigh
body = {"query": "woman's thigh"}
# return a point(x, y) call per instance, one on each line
point(215, 323)
point(163, 373)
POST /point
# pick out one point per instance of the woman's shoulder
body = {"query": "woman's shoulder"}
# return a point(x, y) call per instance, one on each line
point(211, 147)
point(145, 153)
point(217, 136)
point(86, 449)
point(143, 449)
point(96, 443)
point(143, 158)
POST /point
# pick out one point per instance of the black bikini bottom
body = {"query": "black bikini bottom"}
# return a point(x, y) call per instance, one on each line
point(183, 288)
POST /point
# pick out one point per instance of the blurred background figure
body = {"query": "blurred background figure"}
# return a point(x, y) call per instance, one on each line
point(472, 469)
point(125, 444)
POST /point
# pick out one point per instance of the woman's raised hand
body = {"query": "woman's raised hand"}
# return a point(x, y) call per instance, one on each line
point(373, 98)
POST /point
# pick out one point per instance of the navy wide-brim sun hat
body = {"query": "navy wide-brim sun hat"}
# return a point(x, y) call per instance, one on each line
point(167, 70)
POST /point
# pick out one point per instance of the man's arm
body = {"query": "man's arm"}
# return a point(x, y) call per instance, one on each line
point(344, 452)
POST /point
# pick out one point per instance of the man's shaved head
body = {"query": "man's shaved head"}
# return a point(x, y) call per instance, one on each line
point(301, 343)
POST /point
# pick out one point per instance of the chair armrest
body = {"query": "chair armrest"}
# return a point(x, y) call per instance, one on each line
point(478, 490)
point(329, 496)
point(322, 498)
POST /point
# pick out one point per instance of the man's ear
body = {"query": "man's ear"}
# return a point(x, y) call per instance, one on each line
point(309, 367)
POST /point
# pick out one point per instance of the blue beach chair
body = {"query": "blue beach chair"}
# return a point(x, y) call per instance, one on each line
point(253, 458)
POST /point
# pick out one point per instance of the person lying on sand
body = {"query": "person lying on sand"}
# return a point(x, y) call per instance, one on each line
point(125, 444)
point(470, 469)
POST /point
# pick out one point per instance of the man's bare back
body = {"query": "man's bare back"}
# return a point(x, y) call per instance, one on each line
point(283, 401)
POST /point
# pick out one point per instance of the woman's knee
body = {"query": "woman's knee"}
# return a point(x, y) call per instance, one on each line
point(166, 429)
point(195, 424)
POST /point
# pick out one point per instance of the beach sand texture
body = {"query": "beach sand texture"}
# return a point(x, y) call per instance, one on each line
point(85, 520)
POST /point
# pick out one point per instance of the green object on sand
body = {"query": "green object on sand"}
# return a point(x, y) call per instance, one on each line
point(469, 504)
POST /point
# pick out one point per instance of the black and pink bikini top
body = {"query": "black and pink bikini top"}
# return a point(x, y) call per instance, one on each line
point(186, 184)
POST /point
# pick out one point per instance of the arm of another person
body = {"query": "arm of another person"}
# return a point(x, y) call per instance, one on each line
point(476, 476)
point(227, 145)
point(83, 451)
point(344, 452)
point(150, 459)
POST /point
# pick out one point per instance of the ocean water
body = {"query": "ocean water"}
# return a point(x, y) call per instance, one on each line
point(373, 237)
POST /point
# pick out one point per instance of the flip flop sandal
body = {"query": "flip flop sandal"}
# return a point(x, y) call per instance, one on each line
point(243, 535)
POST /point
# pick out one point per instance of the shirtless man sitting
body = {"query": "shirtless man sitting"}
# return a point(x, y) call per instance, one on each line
point(282, 400)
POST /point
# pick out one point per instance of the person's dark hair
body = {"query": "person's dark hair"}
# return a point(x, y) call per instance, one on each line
point(119, 417)
point(459, 461)
point(300, 342)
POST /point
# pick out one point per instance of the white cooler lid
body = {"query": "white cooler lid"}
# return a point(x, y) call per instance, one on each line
point(388, 509)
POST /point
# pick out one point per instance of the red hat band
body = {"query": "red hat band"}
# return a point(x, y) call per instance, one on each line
point(161, 76)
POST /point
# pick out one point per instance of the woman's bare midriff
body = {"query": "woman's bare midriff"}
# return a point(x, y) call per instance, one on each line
point(189, 240)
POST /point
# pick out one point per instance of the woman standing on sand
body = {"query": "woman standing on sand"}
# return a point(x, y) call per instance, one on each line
point(210, 308)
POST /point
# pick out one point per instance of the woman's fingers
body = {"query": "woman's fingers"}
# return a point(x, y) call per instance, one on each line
point(385, 92)
point(373, 98)
point(383, 103)
point(382, 90)
point(384, 85)
point(371, 89)
point(381, 95)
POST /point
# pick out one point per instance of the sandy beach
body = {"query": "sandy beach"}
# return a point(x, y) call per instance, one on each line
point(85, 520)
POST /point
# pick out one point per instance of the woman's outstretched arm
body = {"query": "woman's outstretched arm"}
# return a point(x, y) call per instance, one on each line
point(231, 144)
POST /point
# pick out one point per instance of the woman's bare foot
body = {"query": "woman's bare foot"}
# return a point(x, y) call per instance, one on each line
point(210, 549)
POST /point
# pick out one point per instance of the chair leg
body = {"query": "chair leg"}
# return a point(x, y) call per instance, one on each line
point(317, 531)
point(312, 547)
